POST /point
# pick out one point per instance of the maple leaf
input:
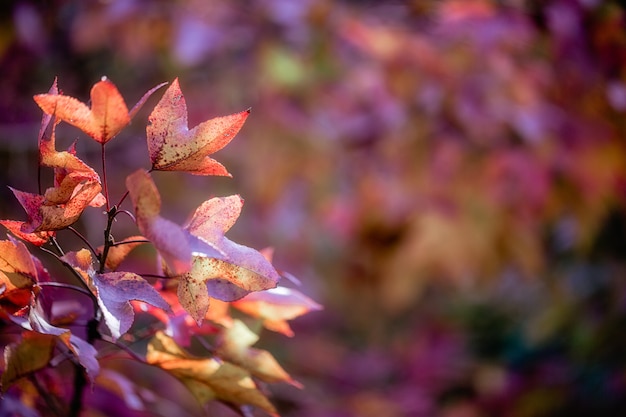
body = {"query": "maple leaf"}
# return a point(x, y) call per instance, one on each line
point(31, 354)
point(38, 322)
point(107, 116)
point(36, 238)
point(173, 147)
point(173, 243)
point(114, 291)
point(235, 347)
point(18, 276)
point(76, 186)
point(239, 272)
point(206, 378)
point(275, 306)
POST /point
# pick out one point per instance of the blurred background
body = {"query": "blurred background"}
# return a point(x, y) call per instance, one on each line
point(446, 177)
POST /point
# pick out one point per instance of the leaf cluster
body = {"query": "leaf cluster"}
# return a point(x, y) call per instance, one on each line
point(204, 277)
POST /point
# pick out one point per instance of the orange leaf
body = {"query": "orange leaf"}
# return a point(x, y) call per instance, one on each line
point(107, 116)
point(173, 147)
point(45, 215)
point(275, 306)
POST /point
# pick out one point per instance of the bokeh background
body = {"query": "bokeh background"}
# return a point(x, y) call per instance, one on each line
point(448, 178)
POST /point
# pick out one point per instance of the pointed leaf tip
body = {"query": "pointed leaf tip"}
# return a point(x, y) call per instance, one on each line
point(175, 147)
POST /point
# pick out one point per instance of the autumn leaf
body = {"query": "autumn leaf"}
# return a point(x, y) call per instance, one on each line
point(235, 347)
point(107, 116)
point(275, 306)
point(76, 186)
point(207, 378)
point(239, 272)
point(31, 354)
point(172, 242)
point(36, 238)
point(85, 353)
point(115, 291)
point(18, 276)
point(120, 251)
point(173, 147)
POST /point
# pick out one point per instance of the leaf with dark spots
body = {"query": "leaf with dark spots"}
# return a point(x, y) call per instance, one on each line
point(36, 238)
point(241, 269)
point(173, 147)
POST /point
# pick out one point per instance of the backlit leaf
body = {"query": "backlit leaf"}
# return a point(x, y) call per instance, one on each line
point(207, 378)
point(107, 116)
point(115, 290)
point(275, 306)
point(36, 238)
point(173, 147)
point(239, 272)
point(235, 347)
point(31, 354)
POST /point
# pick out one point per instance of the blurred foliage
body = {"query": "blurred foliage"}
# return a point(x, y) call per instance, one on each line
point(447, 177)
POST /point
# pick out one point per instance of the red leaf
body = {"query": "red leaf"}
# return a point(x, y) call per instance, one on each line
point(173, 147)
point(37, 238)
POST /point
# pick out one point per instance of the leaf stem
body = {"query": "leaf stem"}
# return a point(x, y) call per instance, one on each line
point(84, 239)
point(51, 401)
point(125, 242)
point(108, 239)
point(104, 178)
point(78, 276)
point(66, 286)
point(122, 199)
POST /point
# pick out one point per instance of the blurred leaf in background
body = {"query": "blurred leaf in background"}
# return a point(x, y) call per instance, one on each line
point(447, 178)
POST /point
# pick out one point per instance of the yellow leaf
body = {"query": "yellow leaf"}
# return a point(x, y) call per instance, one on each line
point(207, 378)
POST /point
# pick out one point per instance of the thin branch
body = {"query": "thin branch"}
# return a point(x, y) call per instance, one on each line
point(122, 199)
point(104, 178)
point(108, 239)
point(53, 241)
point(84, 239)
point(51, 401)
point(123, 347)
point(125, 242)
point(128, 213)
point(78, 276)
point(156, 276)
point(66, 286)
